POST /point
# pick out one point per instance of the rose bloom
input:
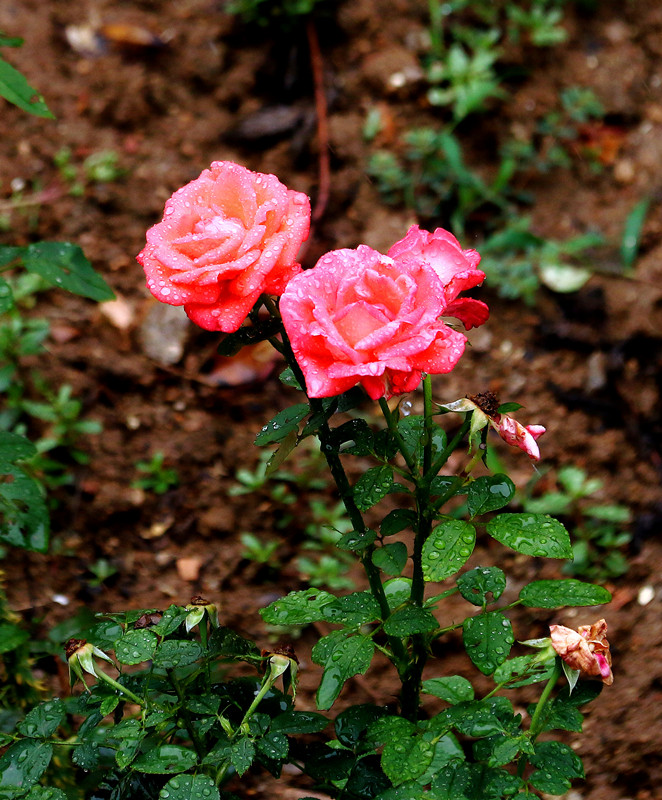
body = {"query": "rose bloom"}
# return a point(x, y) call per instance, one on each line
point(361, 317)
point(457, 269)
point(225, 238)
point(585, 649)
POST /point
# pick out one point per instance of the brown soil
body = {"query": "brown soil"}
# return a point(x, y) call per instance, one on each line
point(586, 365)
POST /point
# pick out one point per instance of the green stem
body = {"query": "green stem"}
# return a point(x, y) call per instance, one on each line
point(101, 675)
point(183, 710)
point(393, 428)
point(449, 449)
point(536, 720)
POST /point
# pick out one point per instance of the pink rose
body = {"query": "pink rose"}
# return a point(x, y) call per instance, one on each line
point(225, 238)
point(585, 649)
point(361, 317)
point(457, 269)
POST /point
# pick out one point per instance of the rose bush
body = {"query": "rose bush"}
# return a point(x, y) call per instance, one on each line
point(361, 317)
point(225, 238)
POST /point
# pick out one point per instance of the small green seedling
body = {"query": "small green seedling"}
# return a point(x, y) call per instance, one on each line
point(156, 478)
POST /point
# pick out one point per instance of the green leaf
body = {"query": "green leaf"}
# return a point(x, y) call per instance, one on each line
point(453, 688)
point(288, 378)
point(279, 456)
point(6, 296)
point(224, 642)
point(391, 558)
point(11, 637)
point(22, 764)
point(352, 723)
point(353, 437)
point(14, 447)
point(410, 620)
point(86, 755)
point(412, 429)
point(476, 584)
point(489, 493)
point(135, 647)
point(557, 764)
point(523, 670)
point(372, 486)
point(166, 759)
point(396, 521)
point(447, 548)
point(352, 610)
point(406, 758)
point(45, 793)
point(470, 718)
point(487, 640)
point(64, 265)
point(175, 653)
point(397, 591)
point(43, 720)
point(562, 593)
point(242, 754)
point(342, 658)
point(531, 534)
point(292, 723)
point(283, 423)
point(634, 225)
point(24, 517)
point(559, 715)
point(356, 541)
point(190, 787)
point(15, 88)
point(298, 608)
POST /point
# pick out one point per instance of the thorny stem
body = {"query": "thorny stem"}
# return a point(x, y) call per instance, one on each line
point(411, 685)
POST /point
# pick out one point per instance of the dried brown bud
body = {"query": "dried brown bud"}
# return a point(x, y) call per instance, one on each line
point(488, 403)
point(147, 620)
point(199, 601)
point(72, 645)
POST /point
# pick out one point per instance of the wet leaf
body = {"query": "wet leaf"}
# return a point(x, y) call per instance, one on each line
point(342, 657)
point(372, 486)
point(282, 424)
point(562, 593)
point(489, 493)
point(410, 620)
point(391, 558)
point(531, 534)
point(64, 265)
point(43, 720)
point(396, 521)
point(352, 610)
point(447, 548)
point(175, 653)
point(135, 647)
point(166, 759)
point(406, 758)
point(453, 688)
point(298, 722)
point(557, 764)
point(298, 608)
point(476, 584)
point(523, 670)
point(190, 787)
point(487, 640)
point(24, 763)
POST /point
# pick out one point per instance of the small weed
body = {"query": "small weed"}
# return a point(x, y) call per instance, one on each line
point(259, 551)
point(599, 534)
point(156, 478)
point(518, 262)
point(264, 13)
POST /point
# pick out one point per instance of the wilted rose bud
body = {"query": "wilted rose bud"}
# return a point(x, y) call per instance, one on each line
point(484, 407)
point(585, 649)
point(197, 609)
point(282, 660)
point(80, 656)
